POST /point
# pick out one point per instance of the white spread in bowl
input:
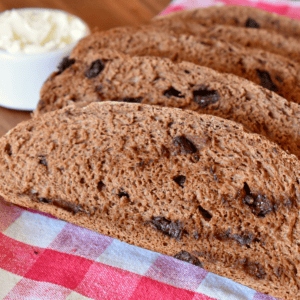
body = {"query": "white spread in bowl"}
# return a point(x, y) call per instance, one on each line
point(32, 31)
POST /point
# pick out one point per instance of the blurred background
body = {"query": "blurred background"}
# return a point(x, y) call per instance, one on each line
point(103, 14)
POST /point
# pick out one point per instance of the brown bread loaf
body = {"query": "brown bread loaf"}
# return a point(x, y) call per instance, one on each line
point(168, 180)
point(275, 72)
point(247, 37)
point(240, 16)
point(108, 75)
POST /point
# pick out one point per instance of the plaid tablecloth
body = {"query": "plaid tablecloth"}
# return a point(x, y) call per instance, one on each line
point(42, 257)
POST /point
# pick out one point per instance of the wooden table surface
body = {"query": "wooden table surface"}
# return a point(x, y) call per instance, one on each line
point(104, 14)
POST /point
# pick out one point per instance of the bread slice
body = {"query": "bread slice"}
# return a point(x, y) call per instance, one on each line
point(158, 81)
point(274, 72)
point(240, 16)
point(246, 37)
point(193, 186)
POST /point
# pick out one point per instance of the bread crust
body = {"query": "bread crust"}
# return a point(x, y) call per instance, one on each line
point(247, 37)
point(274, 72)
point(158, 81)
point(240, 16)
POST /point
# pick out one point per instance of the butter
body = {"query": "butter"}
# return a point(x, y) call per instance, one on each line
point(32, 31)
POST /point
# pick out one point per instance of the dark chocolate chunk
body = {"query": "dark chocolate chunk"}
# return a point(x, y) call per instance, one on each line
point(254, 269)
point(266, 81)
point(8, 150)
point(205, 214)
point(43, 160)
point(170, 228)
point(262, 206)
point(187, 257)
point(123, 194)
point(183, 145)
point(259, 204)
point(180, 180)
point(245, 238)
point(44, 200)
point(95, 69)
point(251, 23)
point(172, 92)
point(205, 97)
point(132, 100)
point(68, 206)
point(100, 186)
point(64, 64)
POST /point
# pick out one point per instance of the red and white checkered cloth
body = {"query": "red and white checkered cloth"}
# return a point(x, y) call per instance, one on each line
point(42, 257)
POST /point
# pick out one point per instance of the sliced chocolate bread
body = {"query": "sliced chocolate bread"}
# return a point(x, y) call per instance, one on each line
point(247, 37)
point(108, 75)
point(240, 16)
point(275, 72)
point(193, 186)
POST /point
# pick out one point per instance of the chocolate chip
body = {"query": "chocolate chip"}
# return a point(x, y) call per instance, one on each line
point(183, 145)
point(187, 257)
point(245, 238)
point(44, 200)
point(251, 23)
point(180, 180)
point(132, 100)
point(253, 269)
point(68, 206)
point(43, 160)
point(262, 206)
point(82, 180)
point(205, 97)
point(100, 186)
point(35, 252)
point(169, 228)
point(205, 214)
point(259, 204)
point(123, 194)
point(172, 92)
point(95, 69)
point(64, 64)
point(187, 71)
point(266, 81)
point(8, 150)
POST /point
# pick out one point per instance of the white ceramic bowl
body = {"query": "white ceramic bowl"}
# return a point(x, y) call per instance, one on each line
point(22, 75)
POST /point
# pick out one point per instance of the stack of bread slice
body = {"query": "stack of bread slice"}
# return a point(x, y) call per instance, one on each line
point(180, 136)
